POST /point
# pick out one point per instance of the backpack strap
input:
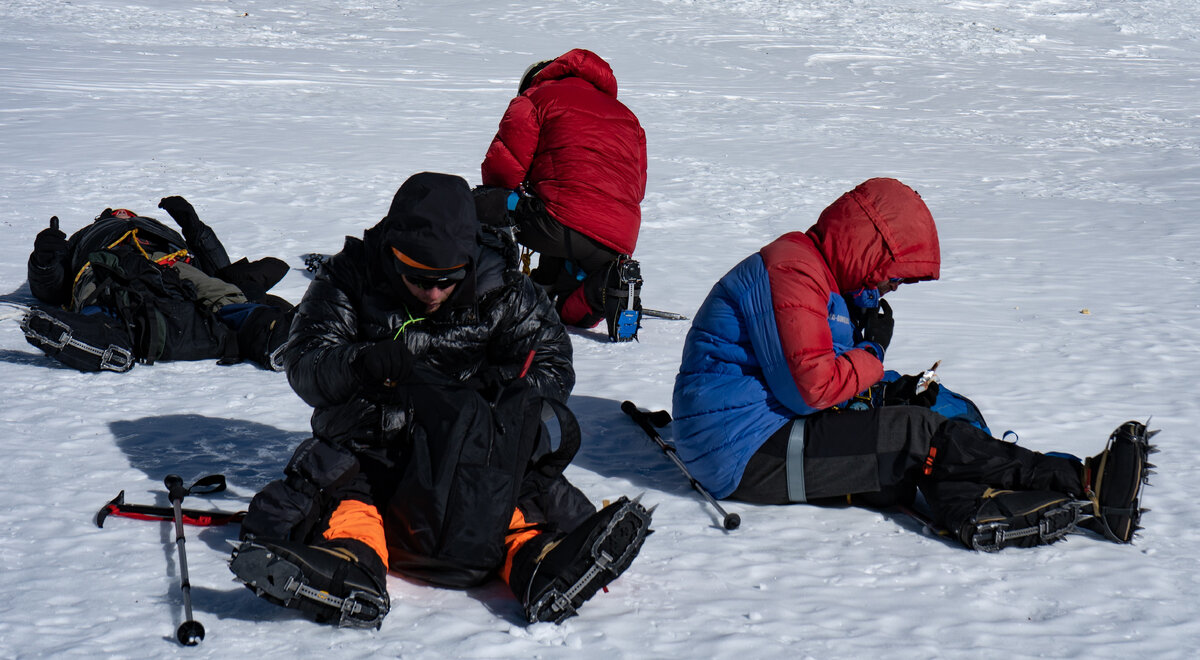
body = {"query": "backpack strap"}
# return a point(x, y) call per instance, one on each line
point(553, 463)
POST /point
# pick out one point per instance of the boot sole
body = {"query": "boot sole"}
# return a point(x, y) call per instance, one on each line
point(279, 580)
point(611, 553)
point(1053, 523)
point(1119, 523)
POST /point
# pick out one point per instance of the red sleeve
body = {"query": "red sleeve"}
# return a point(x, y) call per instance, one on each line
point(511, 152)
point(642, 162)
point(801, 303)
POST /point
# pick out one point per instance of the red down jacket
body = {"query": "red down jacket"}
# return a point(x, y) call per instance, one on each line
point(578, 149)
point(878, 231)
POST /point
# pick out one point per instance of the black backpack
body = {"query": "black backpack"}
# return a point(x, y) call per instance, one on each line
point(446, 483)
point(467, 460)
point(161, 311)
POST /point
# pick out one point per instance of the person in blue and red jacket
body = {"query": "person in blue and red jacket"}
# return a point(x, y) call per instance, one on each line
point(780, 395)
point(568, 165)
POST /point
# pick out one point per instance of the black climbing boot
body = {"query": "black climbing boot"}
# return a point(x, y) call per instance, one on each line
point(1020, 519)
point(553, 579)
point(341, 583)
point(1113, 480)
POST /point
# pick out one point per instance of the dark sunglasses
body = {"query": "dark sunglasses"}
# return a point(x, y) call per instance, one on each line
point(426, 283)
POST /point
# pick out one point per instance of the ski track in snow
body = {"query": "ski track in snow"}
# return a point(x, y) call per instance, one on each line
point(1055, 141)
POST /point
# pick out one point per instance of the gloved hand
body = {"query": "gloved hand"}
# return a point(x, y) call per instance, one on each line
point(878, 325)
point(489, 383)
point(180, 210)
point(491, 205)
point(50, 244)
point(903, 392)
point(383, 364)
point(529, 206)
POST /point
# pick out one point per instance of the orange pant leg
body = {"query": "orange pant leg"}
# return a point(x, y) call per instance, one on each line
point(519, 533)
point(359, 521)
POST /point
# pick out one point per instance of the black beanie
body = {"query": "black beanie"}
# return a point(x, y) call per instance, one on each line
point(431, 228)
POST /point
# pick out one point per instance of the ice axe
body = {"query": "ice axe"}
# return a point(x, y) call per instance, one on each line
point(213, 483)
point(117, 506)
point(660, 418)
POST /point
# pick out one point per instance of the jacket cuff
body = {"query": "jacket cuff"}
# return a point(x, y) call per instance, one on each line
point(874, 348)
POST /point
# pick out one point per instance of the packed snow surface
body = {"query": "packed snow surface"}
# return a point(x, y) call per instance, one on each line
point(1057, 143)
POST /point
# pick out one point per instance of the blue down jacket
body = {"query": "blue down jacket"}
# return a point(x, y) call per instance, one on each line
point(734, 387)
point(774, 339)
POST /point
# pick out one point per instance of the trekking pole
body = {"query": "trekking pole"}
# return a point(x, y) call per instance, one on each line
point(660, 418)
point(190, 631)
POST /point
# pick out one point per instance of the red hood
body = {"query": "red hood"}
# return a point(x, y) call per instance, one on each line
point(878, 231)
point(579, 63)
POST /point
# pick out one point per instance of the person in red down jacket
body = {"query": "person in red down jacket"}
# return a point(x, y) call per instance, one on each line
point(567, 167)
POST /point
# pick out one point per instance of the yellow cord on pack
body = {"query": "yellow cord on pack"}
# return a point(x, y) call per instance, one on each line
point(526, 257)
point(132, 234)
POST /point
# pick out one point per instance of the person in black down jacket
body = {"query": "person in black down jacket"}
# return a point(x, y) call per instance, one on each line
point(210, 307)
point(418, 345)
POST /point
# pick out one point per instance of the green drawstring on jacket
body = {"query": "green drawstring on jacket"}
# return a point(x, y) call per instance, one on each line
point(404, 326)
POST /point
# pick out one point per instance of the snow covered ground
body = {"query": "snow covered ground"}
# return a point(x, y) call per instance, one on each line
point(1057, 143)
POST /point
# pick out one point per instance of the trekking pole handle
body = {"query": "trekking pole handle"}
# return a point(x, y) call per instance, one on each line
point(175, 489)
point(54, 222)
point(213, 483)
point(639, 417)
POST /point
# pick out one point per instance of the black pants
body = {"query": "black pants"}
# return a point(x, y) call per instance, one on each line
point(883, 456)
point(556, 244)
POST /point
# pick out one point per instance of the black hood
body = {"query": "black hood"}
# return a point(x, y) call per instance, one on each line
point(432, 222)
point(431, 227)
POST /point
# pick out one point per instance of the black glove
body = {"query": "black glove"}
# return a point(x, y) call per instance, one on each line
point(383, 364)
point(491, 205)
point(903, 392)
point(877, 326)
point(180, 210)
point(489, 383)
point(50, 244)
point(550, 272)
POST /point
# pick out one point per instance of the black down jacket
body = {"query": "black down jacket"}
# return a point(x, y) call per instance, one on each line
point(488, 327)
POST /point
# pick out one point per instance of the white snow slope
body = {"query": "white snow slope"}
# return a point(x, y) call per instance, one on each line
point(1057, 143)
